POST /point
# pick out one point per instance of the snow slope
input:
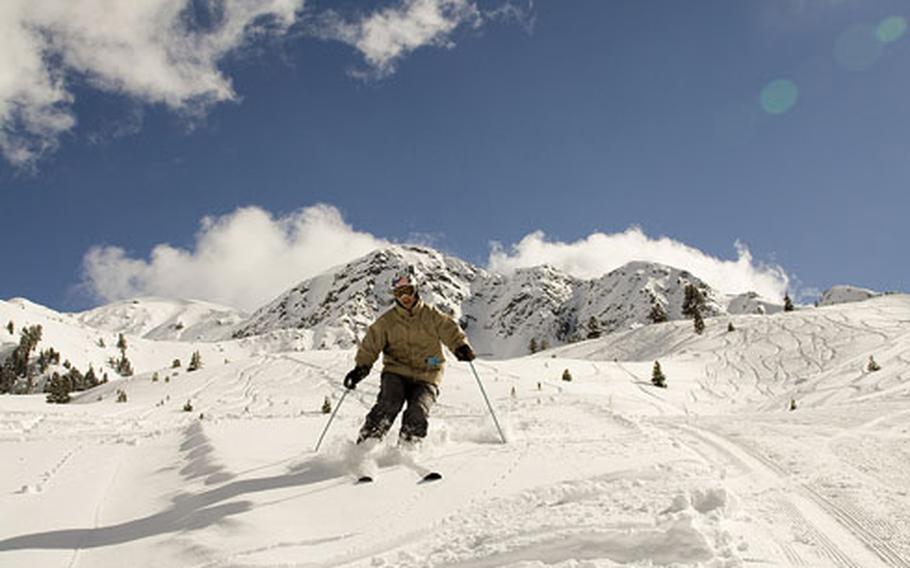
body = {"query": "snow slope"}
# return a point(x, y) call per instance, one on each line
point(602, 471)
point(160, 318)
point(83, 346)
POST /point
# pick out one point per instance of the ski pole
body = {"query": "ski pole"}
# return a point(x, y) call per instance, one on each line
point(490, 406)
point(338, 407)
point(332, 417)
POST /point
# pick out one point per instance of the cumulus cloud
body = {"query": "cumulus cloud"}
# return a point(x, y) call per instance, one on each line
point(242, 259)
point(168, 51)
point(600, 253)
point(387, 35)
point(248, 257)
point(156, 51)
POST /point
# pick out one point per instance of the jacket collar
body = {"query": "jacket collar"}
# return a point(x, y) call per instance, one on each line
point(401, 311)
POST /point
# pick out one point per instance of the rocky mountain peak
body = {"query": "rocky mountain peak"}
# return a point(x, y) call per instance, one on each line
point(501, 313)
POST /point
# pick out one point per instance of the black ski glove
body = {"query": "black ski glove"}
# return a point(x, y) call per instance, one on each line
point(356, 375)
point(465, 353)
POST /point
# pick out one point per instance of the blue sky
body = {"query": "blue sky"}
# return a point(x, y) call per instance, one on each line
point(577, 133)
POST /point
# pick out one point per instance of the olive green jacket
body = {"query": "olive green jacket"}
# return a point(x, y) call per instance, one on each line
point(410, 342)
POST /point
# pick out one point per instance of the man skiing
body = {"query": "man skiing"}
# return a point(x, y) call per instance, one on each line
point(409, 335)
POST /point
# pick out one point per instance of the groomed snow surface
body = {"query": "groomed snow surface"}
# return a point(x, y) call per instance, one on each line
point(605, 470)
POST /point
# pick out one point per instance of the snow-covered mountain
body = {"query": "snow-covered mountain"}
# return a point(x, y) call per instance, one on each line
point(501, 313)
point(844, 294)
point(82, 345)
point(752, 303)
point(340, 304)
point(160, 318)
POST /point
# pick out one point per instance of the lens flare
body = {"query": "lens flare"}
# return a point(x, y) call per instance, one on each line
point(891, 29)
point(779, 96)
point(858, 48)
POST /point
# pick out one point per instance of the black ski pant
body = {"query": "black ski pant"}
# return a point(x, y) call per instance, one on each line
point(394, 391)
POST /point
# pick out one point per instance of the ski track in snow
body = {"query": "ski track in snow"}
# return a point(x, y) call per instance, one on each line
point(602, 471)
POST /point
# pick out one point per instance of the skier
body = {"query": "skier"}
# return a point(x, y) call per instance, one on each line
point(409, 336)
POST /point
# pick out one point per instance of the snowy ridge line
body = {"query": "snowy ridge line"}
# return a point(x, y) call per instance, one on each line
point(502, 313)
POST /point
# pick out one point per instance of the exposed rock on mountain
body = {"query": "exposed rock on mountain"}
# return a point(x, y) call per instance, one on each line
point(501, 313)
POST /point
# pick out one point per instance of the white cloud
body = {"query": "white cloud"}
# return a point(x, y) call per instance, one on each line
point(168, 52)
point(149, 50)
point(243, 259)
point(248, 257)
point(385, 36)
point(600, 253)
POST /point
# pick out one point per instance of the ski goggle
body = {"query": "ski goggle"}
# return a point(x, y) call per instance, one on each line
point(404, 291)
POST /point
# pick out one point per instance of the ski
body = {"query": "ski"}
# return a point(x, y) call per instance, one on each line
point(409, 459)
point(428, 478)
point(432, 476)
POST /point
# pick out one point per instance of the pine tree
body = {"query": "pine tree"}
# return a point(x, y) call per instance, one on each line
point(657, 314)
point(327, 406)
point(532, 346)
point(91, 378)
point(124, 367)
point(513, 393)
point(175, 364)
point(567, 376)
point(593, 328)
point(693, 302)
point(77, 380)
point(188, 407)
point(7, 378)
point(58, 390)
point(792, 404)
point(121, 344)
point(121, 395)
point(101, 343)
point(658, 378)
point(544, 344)
point(873, 366)
point(11, 328)
point(47, 358)
point(195, 362)
point(788, 303)
point(730, 327)
point(699, 323)
point(28, 341)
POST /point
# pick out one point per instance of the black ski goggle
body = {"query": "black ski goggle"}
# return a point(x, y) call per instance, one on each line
point(404, 291)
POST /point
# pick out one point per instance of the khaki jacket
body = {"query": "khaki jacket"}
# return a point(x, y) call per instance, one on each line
point(410, 342)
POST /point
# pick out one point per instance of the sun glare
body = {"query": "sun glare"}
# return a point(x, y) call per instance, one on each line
point(858, 48)
point(779, 96)
point(891, 29)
